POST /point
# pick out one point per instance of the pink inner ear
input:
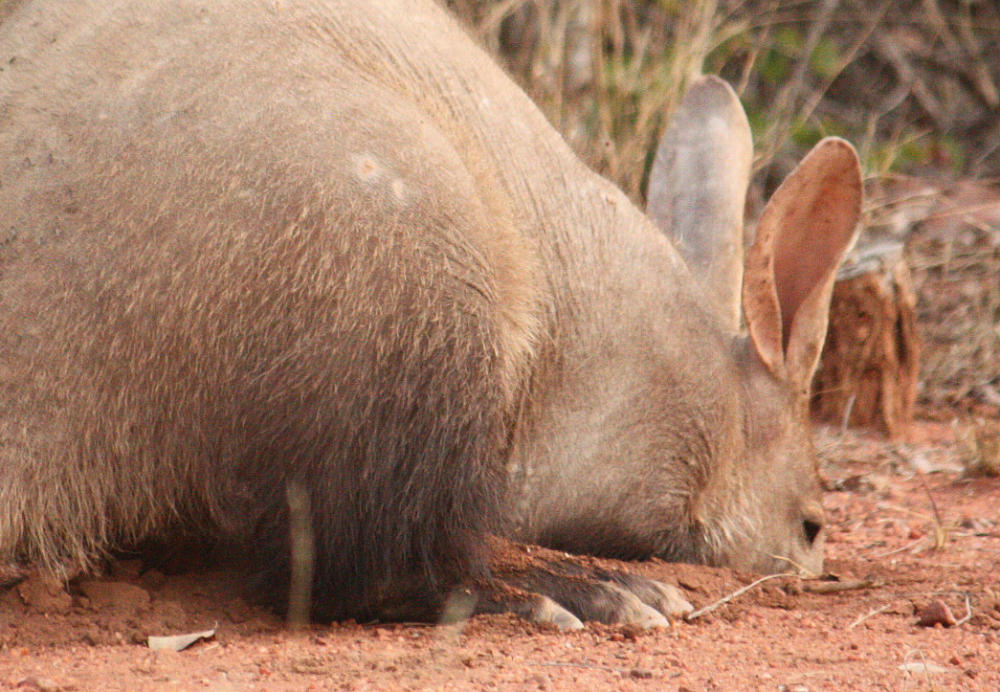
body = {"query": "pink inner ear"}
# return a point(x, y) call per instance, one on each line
point(813, 234)
point(803, 233)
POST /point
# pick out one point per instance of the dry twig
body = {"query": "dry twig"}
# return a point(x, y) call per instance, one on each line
point(968, 612)
point(735, 594)
point(869, 614)
point(840, 586)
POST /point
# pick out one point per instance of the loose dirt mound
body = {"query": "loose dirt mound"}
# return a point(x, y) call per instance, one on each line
point(906, 530)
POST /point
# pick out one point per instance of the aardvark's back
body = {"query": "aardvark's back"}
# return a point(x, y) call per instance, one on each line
point(240, 253)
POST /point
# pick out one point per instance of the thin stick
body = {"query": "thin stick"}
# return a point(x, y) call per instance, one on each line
point(803, 572)
point(904, 510)
point(912, 544)
point(303, 554)
point(923, 483)
point(940, 532)
point(839, 586)
point(968, 612)
point(739, 592)
point(870, 613)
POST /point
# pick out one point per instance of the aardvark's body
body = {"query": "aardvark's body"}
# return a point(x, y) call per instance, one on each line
point(248, 247)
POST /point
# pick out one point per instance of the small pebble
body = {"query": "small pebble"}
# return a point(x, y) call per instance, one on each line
point(936, 612)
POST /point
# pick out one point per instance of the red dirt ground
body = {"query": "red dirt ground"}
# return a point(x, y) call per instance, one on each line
point(906, 529)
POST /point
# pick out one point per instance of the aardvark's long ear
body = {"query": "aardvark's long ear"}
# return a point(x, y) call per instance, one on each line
point(803, 233)
point(697, 189)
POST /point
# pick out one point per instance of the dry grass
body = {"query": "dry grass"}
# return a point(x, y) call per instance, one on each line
point(913, 82)
point(606, 73)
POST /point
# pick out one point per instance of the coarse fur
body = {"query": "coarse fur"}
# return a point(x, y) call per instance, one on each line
point(249, 244)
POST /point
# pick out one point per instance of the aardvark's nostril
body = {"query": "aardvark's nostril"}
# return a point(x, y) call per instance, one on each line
point(811, 529)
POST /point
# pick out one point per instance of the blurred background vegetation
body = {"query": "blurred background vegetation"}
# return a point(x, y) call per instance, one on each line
point(914, 84)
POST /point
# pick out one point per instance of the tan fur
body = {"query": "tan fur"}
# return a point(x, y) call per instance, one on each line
point(248, 242)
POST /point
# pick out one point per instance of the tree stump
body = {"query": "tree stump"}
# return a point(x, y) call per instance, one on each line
point(868, 370)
